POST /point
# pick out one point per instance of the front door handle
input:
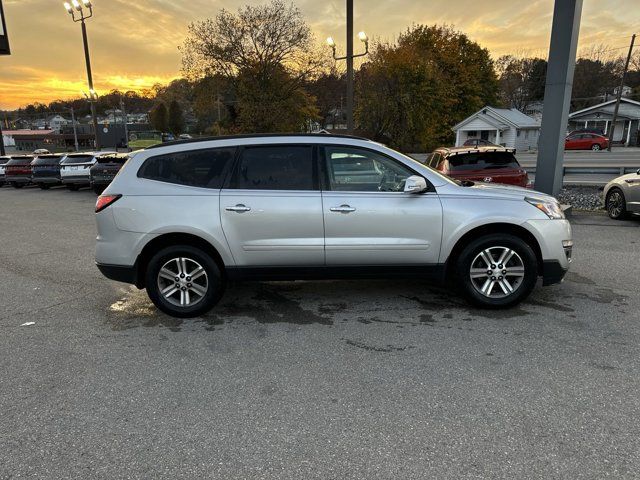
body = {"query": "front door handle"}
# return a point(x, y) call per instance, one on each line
point(238, 208)
point(343, 209)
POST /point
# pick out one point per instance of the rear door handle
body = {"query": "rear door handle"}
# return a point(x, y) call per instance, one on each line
point(343, 209)
point(238, 208)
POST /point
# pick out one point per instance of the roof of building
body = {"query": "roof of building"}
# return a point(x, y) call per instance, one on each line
point(603, 104)
point(504, 116)
point(25, 131)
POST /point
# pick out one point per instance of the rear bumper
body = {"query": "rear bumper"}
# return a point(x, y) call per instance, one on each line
point(552, 272)
point(119, 273)
point(101, 180)
point(17, 179)
point(46, 180)
point(76, 179)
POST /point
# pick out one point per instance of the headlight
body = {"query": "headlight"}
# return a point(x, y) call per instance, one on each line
point(551, 209)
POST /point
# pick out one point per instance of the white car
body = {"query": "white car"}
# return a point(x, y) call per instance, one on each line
point(74, 169)
point(3, 162)
point(181, 219)
point(622, 196)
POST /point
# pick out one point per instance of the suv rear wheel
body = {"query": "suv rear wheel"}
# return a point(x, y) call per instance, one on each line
point(496, 270)
point(183, 281)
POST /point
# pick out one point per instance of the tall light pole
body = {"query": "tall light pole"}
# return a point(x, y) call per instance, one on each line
point(349, 58)
point(80, 9)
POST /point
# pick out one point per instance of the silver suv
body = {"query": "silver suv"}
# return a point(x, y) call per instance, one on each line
point(182, 219)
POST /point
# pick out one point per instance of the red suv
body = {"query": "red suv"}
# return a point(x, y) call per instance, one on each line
point(17, 171)
point(586, 141)
point(480, 164)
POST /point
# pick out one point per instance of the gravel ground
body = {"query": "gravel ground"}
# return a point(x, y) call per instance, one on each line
point(582, 197)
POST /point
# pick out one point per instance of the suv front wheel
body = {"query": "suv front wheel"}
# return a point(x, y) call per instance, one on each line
point(496, 271)
point(183, 281)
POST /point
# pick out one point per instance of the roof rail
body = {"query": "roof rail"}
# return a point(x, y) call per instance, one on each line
point(251, 135)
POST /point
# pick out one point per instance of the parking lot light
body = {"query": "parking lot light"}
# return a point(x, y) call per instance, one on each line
point(76, 5)
point(87, 3)
point(69, 8)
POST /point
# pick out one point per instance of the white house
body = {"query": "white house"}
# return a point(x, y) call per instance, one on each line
point(53, 122)
point(508, 127)
point(600, 116)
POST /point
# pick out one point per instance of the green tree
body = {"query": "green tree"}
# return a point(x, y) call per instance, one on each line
point(267, 53)
point(159, 117)
point(411, 92)
point(521, 80)
point(175, 121)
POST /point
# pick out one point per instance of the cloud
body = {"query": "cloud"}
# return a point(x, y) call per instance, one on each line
point(134, 43)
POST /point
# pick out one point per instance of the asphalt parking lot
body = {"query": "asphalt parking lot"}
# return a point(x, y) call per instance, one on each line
point(350, 379)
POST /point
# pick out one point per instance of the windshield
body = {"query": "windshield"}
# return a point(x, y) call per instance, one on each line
point(78, 159)
point(482, 161)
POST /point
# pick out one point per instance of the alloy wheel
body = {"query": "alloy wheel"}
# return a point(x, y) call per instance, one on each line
point(615, 205)
point(497, 272)
point(183, 282)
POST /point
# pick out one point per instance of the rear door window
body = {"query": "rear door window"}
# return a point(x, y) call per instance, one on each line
point(482, 161)
point(77, 159)
point(204, 168)
point(277, 167)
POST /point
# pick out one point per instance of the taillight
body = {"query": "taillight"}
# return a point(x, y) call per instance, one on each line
point(105, 200)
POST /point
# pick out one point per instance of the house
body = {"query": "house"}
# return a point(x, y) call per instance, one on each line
point(600, 117)
point(508, 127)
point(52, 122)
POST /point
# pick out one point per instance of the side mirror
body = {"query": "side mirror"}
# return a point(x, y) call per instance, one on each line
point(415, 184)
point(638, 172)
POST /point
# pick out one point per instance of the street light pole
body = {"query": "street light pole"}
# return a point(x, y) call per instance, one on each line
point(71, 9)
point(350, 125)
point(349, 58)
point(75, 130)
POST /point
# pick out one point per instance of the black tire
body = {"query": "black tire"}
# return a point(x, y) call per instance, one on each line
point(73, 187)
point(463, 264)
point(98, 189)
point(43, 186)
point(215, 281)
point(16, 185)
point(596, 147)
point(616, 204)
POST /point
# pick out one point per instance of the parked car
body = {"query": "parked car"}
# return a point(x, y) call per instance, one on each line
point(74, 169)
point(622, 196)
point(46, 170)
point(597, 131)
point(41, 151)
point(182, 219)
point(479, 142)
point(3, 162)
point(17, 171)
point(586, 141)
point(105, 170)
point(481, 164)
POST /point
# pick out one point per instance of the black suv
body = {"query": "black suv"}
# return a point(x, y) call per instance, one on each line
point(46, 170)
point(103, 172)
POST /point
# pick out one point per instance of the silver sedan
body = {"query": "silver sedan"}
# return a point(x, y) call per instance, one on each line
point(622, 195)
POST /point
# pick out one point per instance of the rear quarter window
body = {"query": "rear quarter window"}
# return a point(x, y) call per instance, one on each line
point(205, 168)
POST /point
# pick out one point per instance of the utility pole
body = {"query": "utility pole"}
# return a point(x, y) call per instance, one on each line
point(75, 129)
point(2, 151)
point(349, 58)
point(612, 128)
point(126, 128)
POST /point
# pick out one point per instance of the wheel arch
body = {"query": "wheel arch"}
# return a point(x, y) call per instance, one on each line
point(491, 228)
point(170, 239)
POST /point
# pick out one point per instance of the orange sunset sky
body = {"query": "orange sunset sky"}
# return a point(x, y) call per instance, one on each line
point(134, 42)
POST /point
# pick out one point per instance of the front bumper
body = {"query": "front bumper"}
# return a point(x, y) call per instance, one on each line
point(552, 272)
